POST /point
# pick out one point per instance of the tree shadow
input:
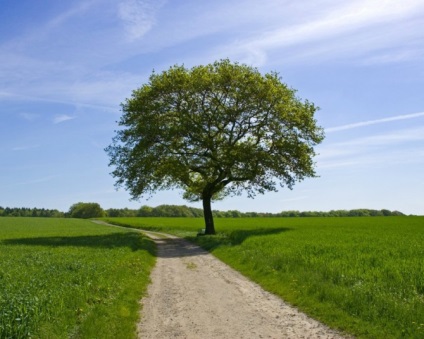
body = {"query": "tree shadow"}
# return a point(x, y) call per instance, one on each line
point(236, 237)
point(166, 247)
point(177, 248)
point(133, 240)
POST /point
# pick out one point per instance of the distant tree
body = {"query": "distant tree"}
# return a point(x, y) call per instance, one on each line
point(196, 212)
point(56, 214)
point(354, 213)
point(121, 212)
point(375, 213)
point(234, 214)
point(113, 212)
point(86, 210)
point(293, 214)
point(218, 214)
point(213, 131)
point(144, 211)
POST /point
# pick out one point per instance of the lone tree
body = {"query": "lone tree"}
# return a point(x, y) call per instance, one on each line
point(213, 131)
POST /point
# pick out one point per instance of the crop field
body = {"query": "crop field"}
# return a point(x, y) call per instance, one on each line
point(364, 276)
point(68, 278)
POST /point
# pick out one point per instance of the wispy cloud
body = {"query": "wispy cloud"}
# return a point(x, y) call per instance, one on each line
point(4, 94)
point(39, 180)
point(25, 147)
point(29, 116)
point(56, 71)
point(62, 118)
point(374, 122)
point(79, 9)
point(396, 147)
point(381, 159)
point(294, 199)
point(78, 93)
point(383, 139)
point(387, 57)
point(138, 16)
point(343, 20)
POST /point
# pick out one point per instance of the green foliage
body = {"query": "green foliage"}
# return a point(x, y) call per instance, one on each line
point(362, 275)
point(68, 278)
point(185, 211)
point(86, 210)
point(213, 131)
point(174, 211)
point(30, 212)
point(307, 214)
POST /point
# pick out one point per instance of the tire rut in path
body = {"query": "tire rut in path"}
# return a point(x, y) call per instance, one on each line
point(194, 295)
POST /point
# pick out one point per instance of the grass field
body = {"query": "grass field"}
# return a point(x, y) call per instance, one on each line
point(68, 278)
point(362, 275)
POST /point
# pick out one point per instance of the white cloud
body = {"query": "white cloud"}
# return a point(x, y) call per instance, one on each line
point(77, 72)
point(29, 116)
point(5, 95)
point(61, 82)
point(393, 57)
point(78, 10)
point(399, 147)
point(382, 159)
point(384, 139)
point(62, 118)
point(348, 24)
point(138, 16)
point(373, 122)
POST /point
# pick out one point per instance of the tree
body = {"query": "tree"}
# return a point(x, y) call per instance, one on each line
point(86, 210)
point(144, 211)
point(213, 131)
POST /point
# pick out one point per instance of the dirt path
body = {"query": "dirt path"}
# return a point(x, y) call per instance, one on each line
point(194, 295)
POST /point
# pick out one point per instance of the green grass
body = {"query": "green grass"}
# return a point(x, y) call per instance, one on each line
point(68, 278)
point(364, 276)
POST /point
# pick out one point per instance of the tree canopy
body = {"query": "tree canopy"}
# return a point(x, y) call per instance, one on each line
point(213, 131)
point(86, 210)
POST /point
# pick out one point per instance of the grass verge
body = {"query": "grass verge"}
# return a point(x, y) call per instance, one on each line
point(68, 278)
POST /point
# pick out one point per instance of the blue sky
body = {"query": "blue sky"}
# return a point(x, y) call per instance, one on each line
point(65, 67)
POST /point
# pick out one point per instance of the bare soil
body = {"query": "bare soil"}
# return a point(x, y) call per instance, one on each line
point(194, 295)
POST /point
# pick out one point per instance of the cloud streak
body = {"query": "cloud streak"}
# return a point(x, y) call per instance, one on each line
point(369, 160)
point(25, 148)
point(62, 118)
point(399, 147)
point(39, 180)
point(374, 122)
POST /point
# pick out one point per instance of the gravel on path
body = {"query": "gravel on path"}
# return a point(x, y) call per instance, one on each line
point(194, 295)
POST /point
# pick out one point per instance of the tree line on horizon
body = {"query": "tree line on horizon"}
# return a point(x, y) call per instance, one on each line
point(94, 210)
point(30, 212)
point(186, 211)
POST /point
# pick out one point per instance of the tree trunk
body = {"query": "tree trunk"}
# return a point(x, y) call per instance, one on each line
point(207, 213)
